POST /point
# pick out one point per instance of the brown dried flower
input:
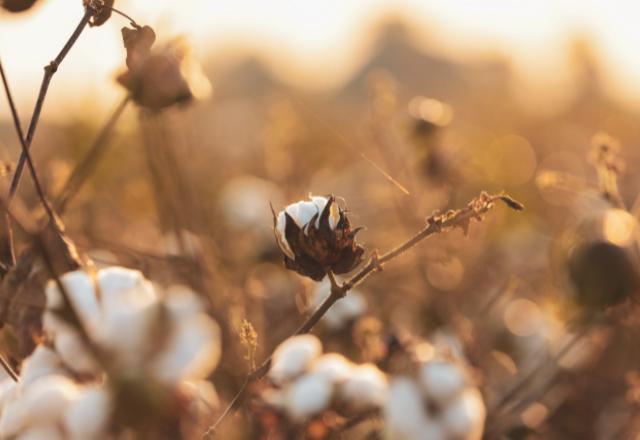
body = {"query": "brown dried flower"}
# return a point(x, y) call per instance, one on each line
point(160, 78)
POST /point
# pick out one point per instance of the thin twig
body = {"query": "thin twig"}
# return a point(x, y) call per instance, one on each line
point(49, 71)
point(435, 223)
point(25, 149)
point(12, 374)
point(96, 152)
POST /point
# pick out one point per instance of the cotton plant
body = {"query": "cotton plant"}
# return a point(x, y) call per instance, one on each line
point(438, 402)
point(136, 339)
point(306, 383)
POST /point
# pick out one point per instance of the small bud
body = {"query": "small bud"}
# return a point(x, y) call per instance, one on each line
point(316, 237)
point(16, 5)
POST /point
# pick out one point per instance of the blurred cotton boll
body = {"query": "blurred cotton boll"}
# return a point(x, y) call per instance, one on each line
point(365, 388)
point(308, 396)
point(343, 312)
point(440, 403)
point(293, 356)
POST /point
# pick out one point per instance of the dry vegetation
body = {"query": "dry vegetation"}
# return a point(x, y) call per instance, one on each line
point(160, 279)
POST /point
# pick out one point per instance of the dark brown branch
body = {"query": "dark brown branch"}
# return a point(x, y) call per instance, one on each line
point(49, 71)
point(437, 222)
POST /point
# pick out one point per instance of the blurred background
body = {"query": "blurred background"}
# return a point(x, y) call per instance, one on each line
point(400, 107)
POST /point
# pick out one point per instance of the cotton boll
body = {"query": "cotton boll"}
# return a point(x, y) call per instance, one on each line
point(88, 416)
point(464, 418)
point(182, 302)
point(49, 398)
point(80, 288)
point(73, 352)
point(8, 390)
point(404, 414)
point(308, 396)
point(366, 387)
point(441, 380)
point(42, 362)
point(333, 366)
point(192, 352)
point(127, 326)
point(116, 282)
point(15, 416)
point(292, 357)
point(48, 432)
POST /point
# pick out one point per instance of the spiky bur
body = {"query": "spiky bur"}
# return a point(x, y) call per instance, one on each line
point(316, 237)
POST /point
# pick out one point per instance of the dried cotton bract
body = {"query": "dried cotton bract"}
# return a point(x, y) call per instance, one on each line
point(316, 237)
point(161, 77)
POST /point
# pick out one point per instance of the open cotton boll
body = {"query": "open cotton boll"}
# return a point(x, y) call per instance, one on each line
point(79, 286)
point(127, 323)
point(192, 351)
point(15, 416)
point(442, 380)
point(308, 396)
point(292, 357)
point(42, 362)
point(8, 390)
point(366, 387)
point(48, 398)
point(193, 347)
point(204, 399)
point(347, 309)
point(464, 418)
point(73, 352)
point(117, 281)
point(404, 414)
point(48, 432)
point(88, 415)
point(333, 366)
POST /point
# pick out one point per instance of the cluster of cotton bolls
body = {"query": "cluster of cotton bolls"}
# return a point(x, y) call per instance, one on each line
point(138, 332)
point(307, 382)
point(440, 403)
point(343, 312)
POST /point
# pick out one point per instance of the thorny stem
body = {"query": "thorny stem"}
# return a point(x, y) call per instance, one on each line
point(84, 169)
point(435, 223)
point(49, 71)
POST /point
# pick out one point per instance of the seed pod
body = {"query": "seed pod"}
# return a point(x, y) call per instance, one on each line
point(316, 237)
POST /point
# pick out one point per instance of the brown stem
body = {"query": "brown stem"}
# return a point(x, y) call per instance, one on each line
point(49, 71)
point(25, 149)
point(435, 223)
point(88, 164)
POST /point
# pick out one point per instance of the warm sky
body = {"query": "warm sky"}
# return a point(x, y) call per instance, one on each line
point(321, 42)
